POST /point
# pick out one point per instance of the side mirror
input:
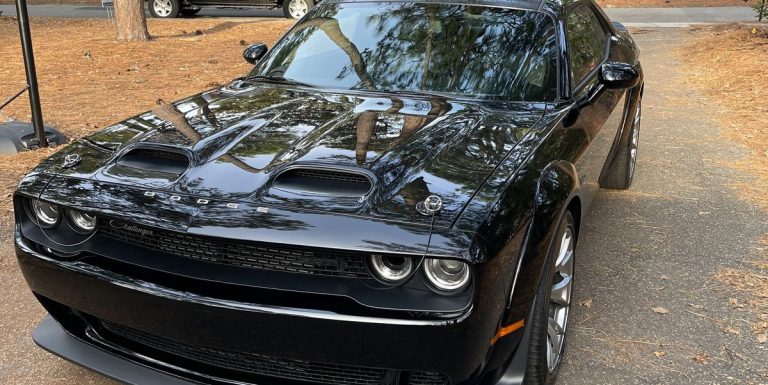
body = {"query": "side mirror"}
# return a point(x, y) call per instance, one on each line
point(255, 52)
point(615, 75)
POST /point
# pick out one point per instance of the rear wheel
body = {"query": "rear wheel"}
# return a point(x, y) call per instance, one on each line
point(164, 9)
point(296, 9)
point(552, 307)
point(626, 158)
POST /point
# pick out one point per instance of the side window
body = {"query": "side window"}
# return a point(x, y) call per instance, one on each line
point(586, 42)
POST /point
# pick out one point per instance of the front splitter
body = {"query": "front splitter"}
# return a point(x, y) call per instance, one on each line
point(50, 336)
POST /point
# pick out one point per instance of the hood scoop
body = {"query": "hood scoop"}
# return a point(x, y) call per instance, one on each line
point(150, 164)
point(324, 180)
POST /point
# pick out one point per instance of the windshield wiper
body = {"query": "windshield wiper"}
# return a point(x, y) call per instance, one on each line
point(281, 80)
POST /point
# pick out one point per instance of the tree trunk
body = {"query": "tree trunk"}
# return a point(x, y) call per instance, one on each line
point(130, 20)
point(366, 123)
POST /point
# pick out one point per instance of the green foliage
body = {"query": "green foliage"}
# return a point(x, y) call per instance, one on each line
point(761, 7)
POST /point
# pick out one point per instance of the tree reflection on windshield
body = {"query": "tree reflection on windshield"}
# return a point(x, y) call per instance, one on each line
point(462, 50)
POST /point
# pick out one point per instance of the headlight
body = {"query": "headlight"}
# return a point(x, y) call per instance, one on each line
point(47, 214)
point(391, 268)
point(82, 222)
point(446, 274)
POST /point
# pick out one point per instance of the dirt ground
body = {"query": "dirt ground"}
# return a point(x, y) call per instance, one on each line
point(736, 75)
point(671, 274)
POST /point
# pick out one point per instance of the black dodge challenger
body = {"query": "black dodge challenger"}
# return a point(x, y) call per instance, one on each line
point(393, 195)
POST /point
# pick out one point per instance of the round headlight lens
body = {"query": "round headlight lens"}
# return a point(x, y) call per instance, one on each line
point(446, 274)
point(47, 214)
point(82, 222)
point(391, 268)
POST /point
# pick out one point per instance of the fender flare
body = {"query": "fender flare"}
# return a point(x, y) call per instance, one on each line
point(557, 189)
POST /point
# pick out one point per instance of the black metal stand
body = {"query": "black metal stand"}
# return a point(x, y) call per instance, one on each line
point(29, 65)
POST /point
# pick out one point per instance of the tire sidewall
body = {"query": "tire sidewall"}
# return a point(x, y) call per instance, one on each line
point(175, 9)
point(538, 372)
point(635, 131)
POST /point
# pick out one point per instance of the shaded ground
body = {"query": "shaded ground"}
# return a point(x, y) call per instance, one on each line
point(660, 245)
point(652, 309)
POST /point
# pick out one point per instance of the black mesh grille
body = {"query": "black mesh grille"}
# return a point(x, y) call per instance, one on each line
point(332, 175)
point(329, 262)
point(258, 364)
point(427, 378)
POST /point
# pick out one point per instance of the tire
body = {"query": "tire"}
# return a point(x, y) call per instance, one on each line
point(552, 304)
point(626, 157)
point(189, 11)
point(164, 9)
point(296, 9)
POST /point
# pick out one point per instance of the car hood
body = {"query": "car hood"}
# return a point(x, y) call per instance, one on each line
point(238, 138)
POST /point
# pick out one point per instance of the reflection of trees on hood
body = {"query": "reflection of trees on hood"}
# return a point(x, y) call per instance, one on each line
point(169, 113)
point(365, 125)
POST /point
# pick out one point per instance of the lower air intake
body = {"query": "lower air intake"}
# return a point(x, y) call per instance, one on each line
point(261, 365)
point(267, 366)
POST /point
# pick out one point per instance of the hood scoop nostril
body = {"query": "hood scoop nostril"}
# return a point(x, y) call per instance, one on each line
point(154, 161)
point(324, 181)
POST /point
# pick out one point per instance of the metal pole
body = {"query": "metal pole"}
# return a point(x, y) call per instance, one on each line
point(29, 65)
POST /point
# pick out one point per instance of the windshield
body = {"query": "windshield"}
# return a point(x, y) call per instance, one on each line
point(460, 50)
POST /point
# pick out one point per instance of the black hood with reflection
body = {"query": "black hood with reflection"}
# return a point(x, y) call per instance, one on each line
point(238, 137)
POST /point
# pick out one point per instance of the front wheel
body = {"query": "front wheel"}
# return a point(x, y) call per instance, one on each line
point(552, 306)
point(296, 9)
point(164, 9)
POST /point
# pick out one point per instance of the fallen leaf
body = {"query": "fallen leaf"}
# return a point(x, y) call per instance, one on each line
point(660, 310)
point(732, 331)
point(660, 354)
point(701, 358)
point(695, 306)
point(586, 303)
point(762, 338)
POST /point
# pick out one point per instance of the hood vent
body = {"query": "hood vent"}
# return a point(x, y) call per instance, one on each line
point(324, 181)
point(155, 160)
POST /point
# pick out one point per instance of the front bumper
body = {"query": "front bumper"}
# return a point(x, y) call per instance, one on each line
point(78, 295)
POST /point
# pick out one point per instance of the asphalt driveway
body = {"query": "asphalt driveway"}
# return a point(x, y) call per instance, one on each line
point(660, 244)
point(657, 245)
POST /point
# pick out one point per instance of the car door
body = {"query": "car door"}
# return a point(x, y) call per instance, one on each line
point(588, 46)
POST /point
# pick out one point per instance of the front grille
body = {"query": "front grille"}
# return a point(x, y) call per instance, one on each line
point(252, 363)
point(427, 378)
point(335, 263)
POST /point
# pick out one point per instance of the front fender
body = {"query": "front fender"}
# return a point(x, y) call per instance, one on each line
point(558, 187)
